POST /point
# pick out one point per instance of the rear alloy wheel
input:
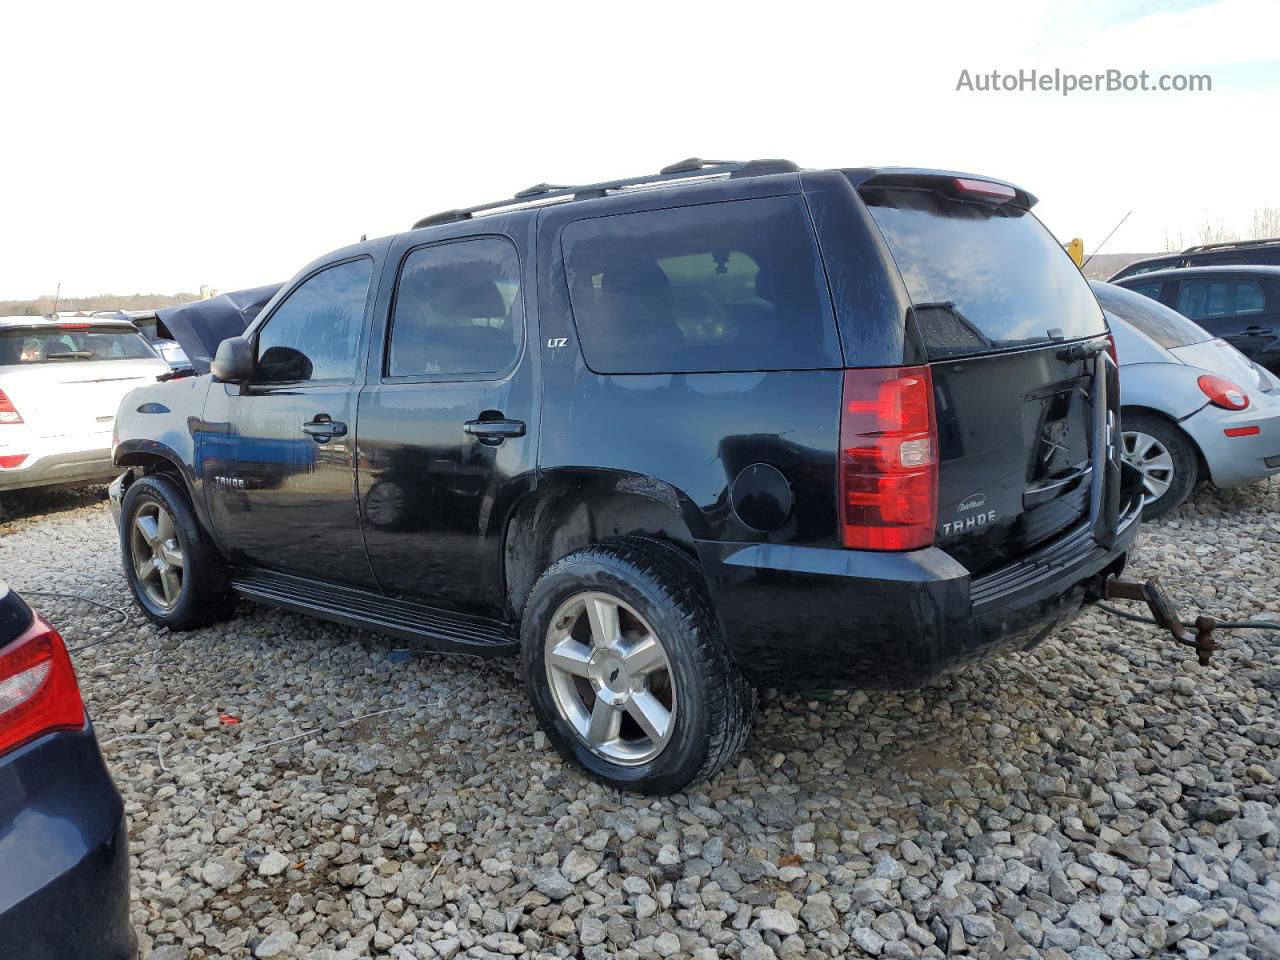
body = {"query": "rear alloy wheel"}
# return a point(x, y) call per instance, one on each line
point(1165, 458)
point(627, 667)
point(610, 678)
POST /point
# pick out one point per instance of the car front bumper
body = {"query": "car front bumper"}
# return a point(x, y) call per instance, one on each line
point(815, 618)
point(64, 857)
point(1233, 461)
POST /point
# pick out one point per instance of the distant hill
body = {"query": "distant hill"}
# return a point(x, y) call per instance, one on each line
point(104, 301)
point(1106, 265)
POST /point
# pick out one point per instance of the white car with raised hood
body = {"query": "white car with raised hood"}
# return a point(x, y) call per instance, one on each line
point(61, 381)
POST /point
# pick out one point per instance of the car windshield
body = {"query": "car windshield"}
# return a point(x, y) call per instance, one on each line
point(982, 278)
point(71, 343)
point(1165, 326)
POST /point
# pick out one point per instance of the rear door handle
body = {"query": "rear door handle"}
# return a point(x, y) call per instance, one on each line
point(323, 428)
point(494, 431)
point(1258, 331)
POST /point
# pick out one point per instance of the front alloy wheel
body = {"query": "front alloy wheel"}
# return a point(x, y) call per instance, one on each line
point(174, 572)
point(610, 678)
point(157, 555)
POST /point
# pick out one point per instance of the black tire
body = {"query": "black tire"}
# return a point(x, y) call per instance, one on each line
point(204, 596)
point(1182, 453)
point(664, 586)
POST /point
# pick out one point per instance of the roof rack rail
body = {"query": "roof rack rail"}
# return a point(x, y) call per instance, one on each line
point(1229, 244)
point(690, 168)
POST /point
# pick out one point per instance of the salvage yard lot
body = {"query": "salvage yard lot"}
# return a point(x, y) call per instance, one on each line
point(1102, 796)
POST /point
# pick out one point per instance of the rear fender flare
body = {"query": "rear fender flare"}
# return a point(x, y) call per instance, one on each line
point(572, 508)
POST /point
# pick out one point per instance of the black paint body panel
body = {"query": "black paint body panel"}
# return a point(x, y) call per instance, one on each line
point(410, 522)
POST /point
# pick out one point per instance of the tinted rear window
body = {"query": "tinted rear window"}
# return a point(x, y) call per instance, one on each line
point(1166, 327)
point(981, 277)
point(24, 345)
point(714, 287)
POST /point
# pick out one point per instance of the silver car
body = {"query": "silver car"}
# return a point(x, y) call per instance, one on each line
point(1194, 407)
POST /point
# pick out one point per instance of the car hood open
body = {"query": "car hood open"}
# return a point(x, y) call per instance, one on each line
point(200, 326)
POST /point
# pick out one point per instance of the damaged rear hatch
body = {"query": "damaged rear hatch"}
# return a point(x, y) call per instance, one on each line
point(1012, 332)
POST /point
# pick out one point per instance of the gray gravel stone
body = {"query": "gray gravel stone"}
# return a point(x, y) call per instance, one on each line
point(1101, 795)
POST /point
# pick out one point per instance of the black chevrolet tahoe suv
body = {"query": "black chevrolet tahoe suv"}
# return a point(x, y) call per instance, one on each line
point(666, 439)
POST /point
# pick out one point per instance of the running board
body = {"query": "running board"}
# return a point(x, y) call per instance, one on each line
point(438, 629)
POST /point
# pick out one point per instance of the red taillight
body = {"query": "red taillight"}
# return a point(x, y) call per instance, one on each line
point(1223, 393)
point(8, 412)
point(12, 460)
point(1111, 349)
point(888, 459)
point(38, 691)
point(984, 189)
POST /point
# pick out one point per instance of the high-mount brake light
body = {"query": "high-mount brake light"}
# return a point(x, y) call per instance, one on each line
point(1223, 393)
point(8, 412)
point(888, 459)
point(74, 326)
point(984, 189)
point(38, 691)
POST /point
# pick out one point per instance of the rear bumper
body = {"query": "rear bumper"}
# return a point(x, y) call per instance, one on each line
point(809, 617)
point(42, 470)
point(64, 884)
point(1234, 461)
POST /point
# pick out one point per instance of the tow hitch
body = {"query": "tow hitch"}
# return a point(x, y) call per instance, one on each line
point(1164, 614)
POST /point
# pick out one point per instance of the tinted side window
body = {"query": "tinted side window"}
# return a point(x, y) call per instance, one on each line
point(457, 310)
point(1207, 299)
point(714, 287)
point(1151, 290)
point(1249, 297)
point(314, 333)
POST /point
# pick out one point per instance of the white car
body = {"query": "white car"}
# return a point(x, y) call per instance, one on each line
point(61, 382)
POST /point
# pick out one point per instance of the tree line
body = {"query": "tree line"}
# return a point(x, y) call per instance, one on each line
point(42, 306)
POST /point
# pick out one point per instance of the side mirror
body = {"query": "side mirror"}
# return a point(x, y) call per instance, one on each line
point(233, 362)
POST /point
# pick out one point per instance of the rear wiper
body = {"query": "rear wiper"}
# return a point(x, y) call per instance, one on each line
point(70, 355)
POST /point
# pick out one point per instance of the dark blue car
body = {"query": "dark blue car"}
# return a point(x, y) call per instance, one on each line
point(64, 857)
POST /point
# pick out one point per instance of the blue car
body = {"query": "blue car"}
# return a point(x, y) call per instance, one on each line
point(64, 856)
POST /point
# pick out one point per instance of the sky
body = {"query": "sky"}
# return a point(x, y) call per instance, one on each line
point(158, 147)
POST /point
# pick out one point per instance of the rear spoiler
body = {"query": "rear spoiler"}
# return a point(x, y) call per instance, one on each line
point(947, 180)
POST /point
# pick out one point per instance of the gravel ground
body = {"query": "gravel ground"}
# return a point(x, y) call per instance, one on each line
point(1102, 796)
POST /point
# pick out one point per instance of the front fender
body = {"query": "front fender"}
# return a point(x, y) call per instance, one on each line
point(158, 425)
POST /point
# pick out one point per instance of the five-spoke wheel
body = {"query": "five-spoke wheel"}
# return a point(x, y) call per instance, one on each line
point(173, 570)
point(157, 554)
point(1152, 458)
point(1165, 457)
point(610, 678)
point(628, 669)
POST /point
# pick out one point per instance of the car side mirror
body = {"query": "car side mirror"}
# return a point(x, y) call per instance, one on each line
point(233, 362)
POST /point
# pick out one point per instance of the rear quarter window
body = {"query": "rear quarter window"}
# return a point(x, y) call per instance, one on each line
point(982, 278)
point(731, 286)
point(1166, 327)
